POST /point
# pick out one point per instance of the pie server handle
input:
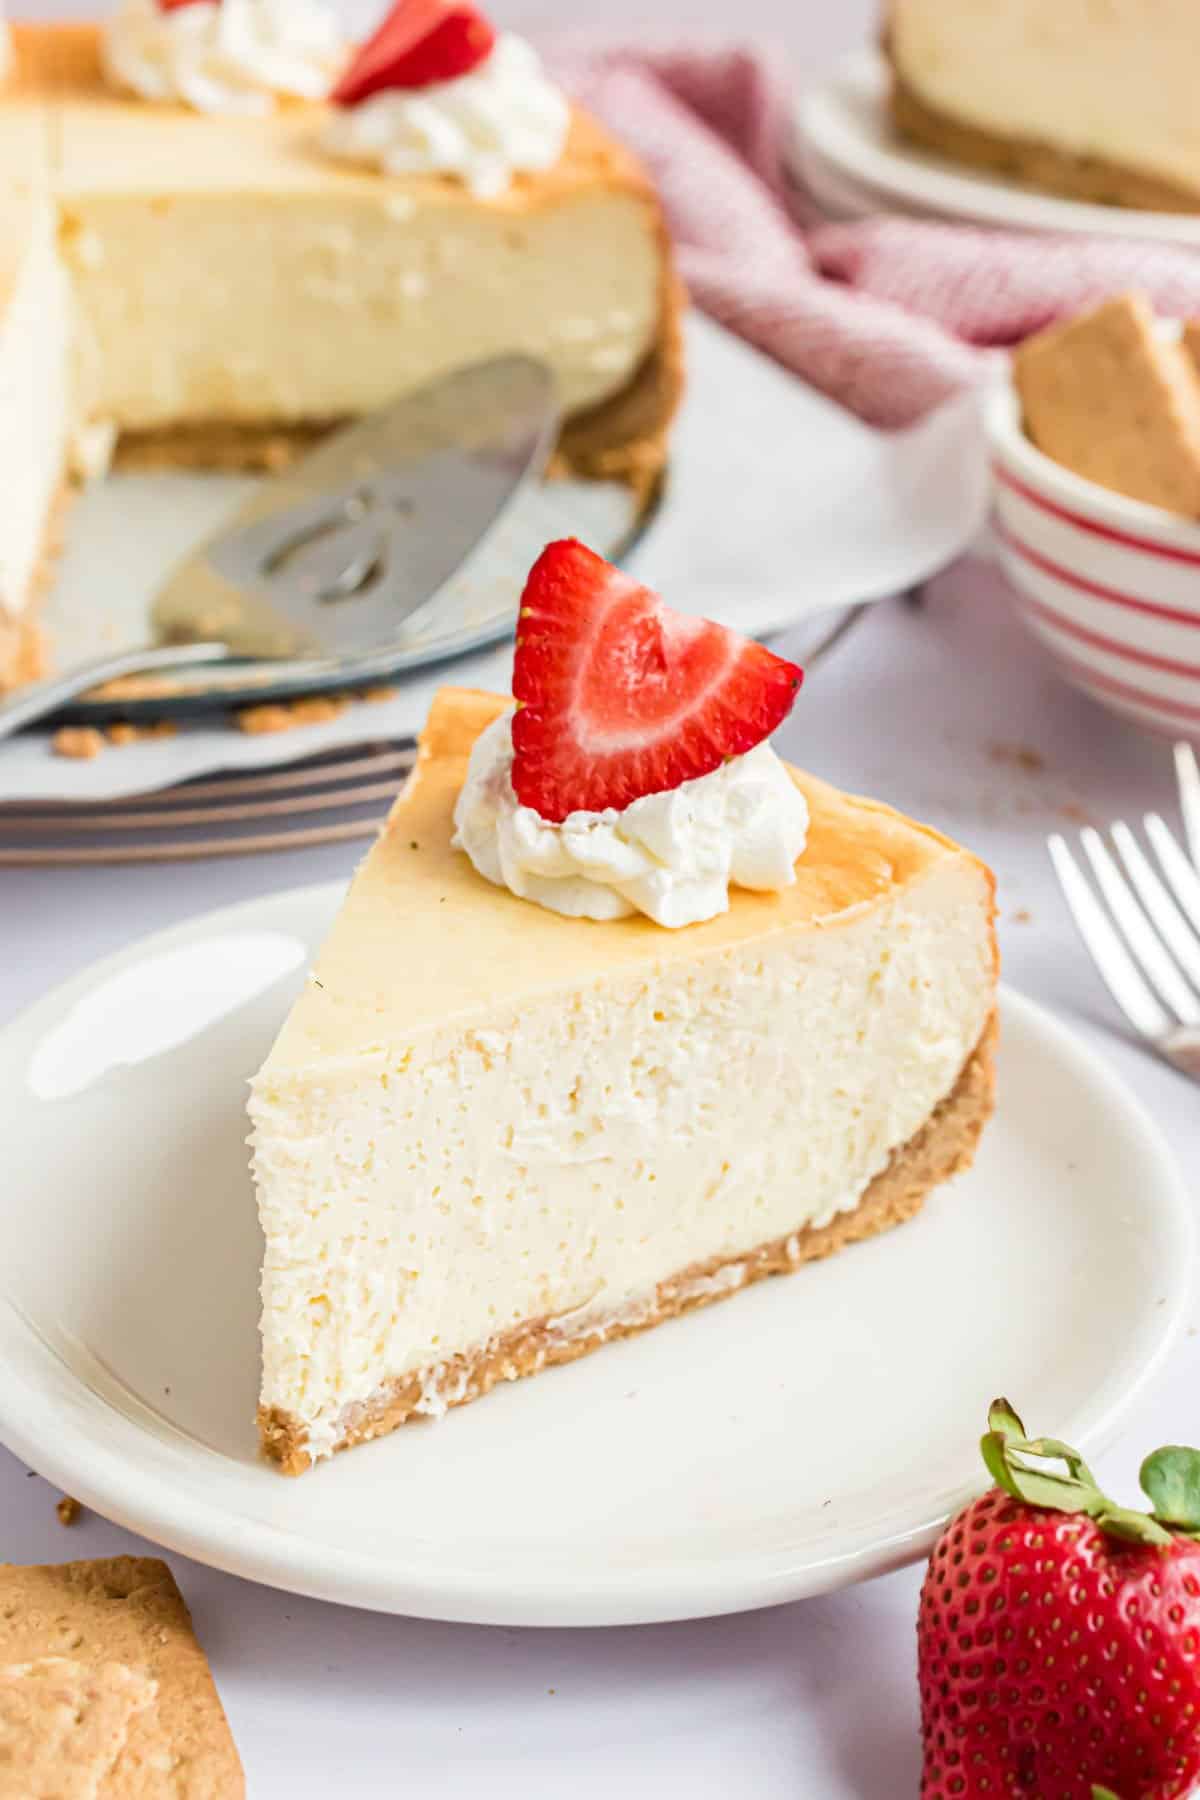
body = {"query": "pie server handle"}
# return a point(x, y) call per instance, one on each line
point(30, 704)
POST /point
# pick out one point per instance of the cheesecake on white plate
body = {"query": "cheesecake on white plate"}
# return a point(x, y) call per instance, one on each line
point(620, 1014)
point(1094, 101)
point(209, 259)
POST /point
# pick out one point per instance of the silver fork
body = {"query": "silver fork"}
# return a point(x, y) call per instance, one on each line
point(1150, 958)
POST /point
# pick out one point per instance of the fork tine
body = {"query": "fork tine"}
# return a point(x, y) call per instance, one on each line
point(1139, 933)
point(1188, 776)
point(1117, 968)
point(1158, 903)
point(1182, 879)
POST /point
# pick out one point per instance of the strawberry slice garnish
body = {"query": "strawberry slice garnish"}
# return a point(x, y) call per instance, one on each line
point(419, 43)
point(175, 5)
point(1059, 1634)
point(621, 697)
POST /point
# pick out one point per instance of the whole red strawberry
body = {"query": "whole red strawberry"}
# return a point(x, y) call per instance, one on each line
point(1059, 1635)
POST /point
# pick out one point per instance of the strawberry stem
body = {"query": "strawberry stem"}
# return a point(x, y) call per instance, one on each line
point(1171, 1479)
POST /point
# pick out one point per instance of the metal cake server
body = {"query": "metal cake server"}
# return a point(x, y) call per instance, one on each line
point(326, 561)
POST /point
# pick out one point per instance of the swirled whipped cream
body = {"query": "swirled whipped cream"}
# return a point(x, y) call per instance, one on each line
point(672, 856)
point(504, 118)
point(224, 56)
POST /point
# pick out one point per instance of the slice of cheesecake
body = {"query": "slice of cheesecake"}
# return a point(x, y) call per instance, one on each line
point(490, 1137)
point(1096, 102)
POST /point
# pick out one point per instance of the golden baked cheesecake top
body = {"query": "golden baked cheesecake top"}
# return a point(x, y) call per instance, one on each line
point(424, 937)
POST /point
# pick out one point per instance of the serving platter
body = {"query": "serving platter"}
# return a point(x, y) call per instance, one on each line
point(125, 533)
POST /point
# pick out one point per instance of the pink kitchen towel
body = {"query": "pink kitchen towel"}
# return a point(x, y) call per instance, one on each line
point(889, 315)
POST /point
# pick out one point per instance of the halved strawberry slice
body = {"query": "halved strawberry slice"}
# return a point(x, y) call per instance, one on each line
point(621, 697)
point(420, 42)
point(174, 5)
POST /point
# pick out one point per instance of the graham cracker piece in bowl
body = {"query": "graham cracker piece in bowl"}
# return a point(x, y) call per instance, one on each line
point(125, 1613)
point(1108, 397)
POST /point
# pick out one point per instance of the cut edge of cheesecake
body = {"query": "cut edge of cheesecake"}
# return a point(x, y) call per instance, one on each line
point(895, 852)
point(623, 439)
point(943, 1147)
point(1035, 162)
point(23, 650)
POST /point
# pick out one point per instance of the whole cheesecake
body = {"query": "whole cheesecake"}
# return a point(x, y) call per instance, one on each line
point(1097, 102)
point(216, 289)
point(512, 1119)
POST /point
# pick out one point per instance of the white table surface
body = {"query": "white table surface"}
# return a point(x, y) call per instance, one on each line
point(934, 709)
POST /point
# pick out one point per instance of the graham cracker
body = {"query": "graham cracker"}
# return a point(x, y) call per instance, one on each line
point(1110, 399)
point(1029, 160)
point(64, 1725)
point(127, 1610)
point(944, 1146)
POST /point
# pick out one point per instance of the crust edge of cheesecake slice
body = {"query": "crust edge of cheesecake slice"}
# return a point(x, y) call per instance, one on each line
point(880, 850)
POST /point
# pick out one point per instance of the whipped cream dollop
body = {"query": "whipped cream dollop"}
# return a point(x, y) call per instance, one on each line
point(672, 856)
point(503, 118)
point(230, 56)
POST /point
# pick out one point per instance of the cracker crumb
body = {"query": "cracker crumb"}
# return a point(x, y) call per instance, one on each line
point(373, 696)
point(1018, 756)
point(258, 720)
point(1022, 916)
point(122, 731)
point(1078, 815)
point(288, 715)
point(79, 742)
point(68, 1510)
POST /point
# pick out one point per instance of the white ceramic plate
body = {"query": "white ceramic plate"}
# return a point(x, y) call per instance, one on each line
point(811, 1432)
point(856, 164)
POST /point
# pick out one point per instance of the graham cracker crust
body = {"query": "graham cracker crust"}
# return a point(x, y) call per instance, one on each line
point(23, 651)
point(1036, 164)
point(944, 1147)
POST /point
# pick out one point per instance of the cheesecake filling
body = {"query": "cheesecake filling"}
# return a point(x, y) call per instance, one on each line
point(672, 856)
point(558, 1160)
point(504, 118)
point(224, 56)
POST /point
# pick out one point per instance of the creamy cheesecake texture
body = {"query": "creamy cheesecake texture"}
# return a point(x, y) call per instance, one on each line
point(1112, 85)
point(480, 1114)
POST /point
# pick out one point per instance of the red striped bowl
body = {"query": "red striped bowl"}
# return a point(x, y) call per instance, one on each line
point(1111, 586)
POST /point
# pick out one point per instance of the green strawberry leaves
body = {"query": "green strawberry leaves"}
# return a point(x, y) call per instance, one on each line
point(1170, 1478)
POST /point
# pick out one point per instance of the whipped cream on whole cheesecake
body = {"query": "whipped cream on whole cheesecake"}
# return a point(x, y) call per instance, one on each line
point(231, 56)
point(504, 117)
point(671, 855)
